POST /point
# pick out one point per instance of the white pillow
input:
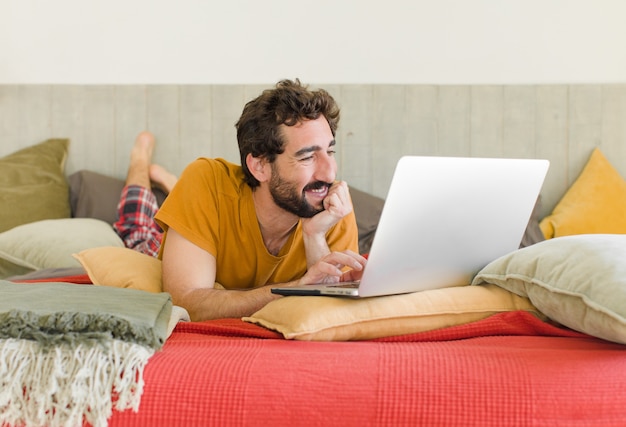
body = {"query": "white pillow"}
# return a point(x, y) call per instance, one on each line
point(51, 243)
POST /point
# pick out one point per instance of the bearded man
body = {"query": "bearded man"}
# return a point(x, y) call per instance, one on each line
point(281, 217)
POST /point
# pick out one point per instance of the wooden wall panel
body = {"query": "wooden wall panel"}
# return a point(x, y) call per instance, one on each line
point(388, 134)
point(486, 119)
point(9, 132)
point(379, 124)
point(354, 136)
point(131, 117)
point(195, 124)
point(98, 129)
point(420, 120)
point(519, 121)
point(551, 140)
point(227, 104)
point(163, 111)
point(67, 112)
point(34, 113)
point(613, 132)
point(453, 121)
point(585, 125)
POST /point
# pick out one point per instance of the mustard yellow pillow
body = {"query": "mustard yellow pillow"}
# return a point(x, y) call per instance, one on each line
point(311, 318)
point(121, 268)
point(594, 204)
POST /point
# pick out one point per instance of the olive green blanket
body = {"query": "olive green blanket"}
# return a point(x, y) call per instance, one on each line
point(71, 354)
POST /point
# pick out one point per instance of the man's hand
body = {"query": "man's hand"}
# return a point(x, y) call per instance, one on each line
point(337, 205)
point(329, 268)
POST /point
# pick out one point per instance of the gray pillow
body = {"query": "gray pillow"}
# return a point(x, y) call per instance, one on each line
point(94, 195)
point(533, 233)
point(367, 209)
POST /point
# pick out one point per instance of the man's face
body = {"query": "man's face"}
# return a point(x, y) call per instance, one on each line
point(302, 175)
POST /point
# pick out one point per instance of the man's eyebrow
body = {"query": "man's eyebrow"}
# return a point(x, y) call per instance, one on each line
point(312, 149)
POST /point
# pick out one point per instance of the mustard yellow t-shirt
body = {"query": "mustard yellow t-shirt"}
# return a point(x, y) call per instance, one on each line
point(212, 207)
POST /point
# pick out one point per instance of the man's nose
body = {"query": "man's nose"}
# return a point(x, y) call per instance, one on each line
point(326, 169)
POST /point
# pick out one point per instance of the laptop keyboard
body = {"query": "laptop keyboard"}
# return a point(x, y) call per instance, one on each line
point(349, 285)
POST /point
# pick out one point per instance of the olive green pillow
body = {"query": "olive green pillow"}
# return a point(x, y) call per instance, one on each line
point(33, 186)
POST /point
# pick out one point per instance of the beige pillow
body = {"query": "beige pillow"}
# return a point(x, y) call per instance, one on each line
point(50, 244)
point(33, 185)
point(578, 281)
point(314, 318)
point(121, 268)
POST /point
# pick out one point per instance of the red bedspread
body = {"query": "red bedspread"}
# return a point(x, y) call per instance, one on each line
point(509, 369)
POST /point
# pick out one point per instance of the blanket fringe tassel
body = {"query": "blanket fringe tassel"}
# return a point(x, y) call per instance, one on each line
point(68, 385)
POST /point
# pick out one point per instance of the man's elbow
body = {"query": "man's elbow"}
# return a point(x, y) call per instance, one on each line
point(194, 300)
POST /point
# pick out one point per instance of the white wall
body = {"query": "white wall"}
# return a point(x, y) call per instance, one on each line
point(326, 41)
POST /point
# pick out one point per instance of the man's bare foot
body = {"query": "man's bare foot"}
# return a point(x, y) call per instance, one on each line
point(162, 178)
point(140, 160)
point(143, 148)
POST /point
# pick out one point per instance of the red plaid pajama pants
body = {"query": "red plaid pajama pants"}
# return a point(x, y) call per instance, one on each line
point(135, 220)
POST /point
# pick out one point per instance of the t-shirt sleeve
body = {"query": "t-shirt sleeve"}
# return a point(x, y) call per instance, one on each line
point(191, 208)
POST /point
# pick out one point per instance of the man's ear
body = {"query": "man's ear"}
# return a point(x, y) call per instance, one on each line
point(258, 167)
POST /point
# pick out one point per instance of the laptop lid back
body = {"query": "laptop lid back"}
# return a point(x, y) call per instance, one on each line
point(445, 218)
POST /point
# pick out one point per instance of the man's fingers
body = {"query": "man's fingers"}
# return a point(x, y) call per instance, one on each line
point(346, 259)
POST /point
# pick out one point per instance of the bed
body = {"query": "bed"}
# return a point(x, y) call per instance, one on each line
point(538, 338)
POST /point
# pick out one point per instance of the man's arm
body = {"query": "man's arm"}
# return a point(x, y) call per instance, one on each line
point(337, 205)
point(189, 276)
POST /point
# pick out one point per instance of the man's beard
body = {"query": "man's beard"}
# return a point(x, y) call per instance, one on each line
point(287, 197)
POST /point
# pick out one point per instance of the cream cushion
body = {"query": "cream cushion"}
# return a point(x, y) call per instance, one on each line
point(50, 243)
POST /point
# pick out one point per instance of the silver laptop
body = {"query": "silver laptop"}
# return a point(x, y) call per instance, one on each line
point(443, 220)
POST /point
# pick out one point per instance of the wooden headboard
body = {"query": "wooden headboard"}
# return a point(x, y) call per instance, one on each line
point(379, 123)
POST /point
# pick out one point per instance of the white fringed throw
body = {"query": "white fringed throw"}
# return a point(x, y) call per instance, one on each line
point(71, 354)
point(64, 386)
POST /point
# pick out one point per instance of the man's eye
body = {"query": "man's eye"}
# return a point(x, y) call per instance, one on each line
point(331, 152)
point(306, 159)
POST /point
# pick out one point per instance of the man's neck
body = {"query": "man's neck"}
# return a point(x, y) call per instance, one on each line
point(276, 224)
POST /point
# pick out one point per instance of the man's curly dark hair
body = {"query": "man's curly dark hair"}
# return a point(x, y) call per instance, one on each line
point(288, 103)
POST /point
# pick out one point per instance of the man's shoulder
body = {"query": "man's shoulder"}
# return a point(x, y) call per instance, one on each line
point(218, 168)
point(216, 163)
point(224, 177)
